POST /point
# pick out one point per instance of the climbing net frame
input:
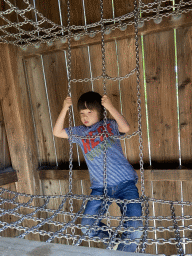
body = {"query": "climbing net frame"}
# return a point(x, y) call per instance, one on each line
point(23, 38)
point(43, 30)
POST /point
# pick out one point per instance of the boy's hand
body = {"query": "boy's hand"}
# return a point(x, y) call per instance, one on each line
point(67, 103)
point(106, 102)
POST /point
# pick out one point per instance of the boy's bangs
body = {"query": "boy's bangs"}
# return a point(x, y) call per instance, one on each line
point(86, 105)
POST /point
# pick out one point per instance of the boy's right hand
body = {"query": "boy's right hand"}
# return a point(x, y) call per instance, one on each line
point(67, 103)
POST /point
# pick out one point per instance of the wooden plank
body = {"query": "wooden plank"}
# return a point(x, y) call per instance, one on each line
point(161, 94)
point(92, 10)
point(171, 175)
point(17, 117)
point(52, 187)
point(56, 81)
point(7, 176)
point(126, 55)
point(122, 7)
point(43, 129)
point(19, 128)
point(148, 192)
point(166, 190)
point(5, 159)
point(150, 175)
point(63, 174)
point(3, 88)
point(76, 12)
point(49, 9)
point(187, 196)
point(185, 92)
point(8, 217)
point(149, 28)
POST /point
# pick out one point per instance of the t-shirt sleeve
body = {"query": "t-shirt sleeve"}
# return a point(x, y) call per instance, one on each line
point(75, 131)
point(115, 128)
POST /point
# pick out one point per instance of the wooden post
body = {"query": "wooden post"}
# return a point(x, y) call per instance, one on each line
point(18, 123)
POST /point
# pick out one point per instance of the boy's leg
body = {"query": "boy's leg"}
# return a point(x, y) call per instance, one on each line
point(94, 207)
point(129, 191)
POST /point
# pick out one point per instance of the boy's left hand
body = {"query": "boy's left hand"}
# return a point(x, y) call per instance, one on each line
point(106, 102)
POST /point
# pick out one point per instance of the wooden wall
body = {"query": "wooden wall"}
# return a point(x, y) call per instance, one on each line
point(34, 85)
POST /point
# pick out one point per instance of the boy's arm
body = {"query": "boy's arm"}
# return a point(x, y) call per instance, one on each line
point(123, 125)
point(58, 130)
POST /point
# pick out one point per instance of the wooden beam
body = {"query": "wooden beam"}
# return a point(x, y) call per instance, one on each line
point(148, 28)
point(8, 175)
point(150, 175)
point(63, 174)
point(17, 118)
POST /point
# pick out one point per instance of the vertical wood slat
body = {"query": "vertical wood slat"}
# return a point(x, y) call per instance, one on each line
point(163, 190)
point(56, 77)
point(49, 9)
point(52, 187)
point(123, 7)
point(40, 110)
point(183, 40)
point(187, 195)
point(161, 93)
point(5, 159)
point(185, 92)
point(148, 193)
point(76, 12)
point(126, 53)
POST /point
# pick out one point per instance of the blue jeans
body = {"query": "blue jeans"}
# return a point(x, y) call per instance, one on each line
point(124, 190)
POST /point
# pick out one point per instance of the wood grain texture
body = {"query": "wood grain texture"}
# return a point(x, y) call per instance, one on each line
point(9, 218)
point(7, 176)
point(56, 81)
point(52, 187)
point(184, 45)
point(50, 10)
point(167, 190)
point(161, 93)
point(18, 125)
point(5, 159)
point(40, 108)
point(149, 175)
point(187, 196)
point(127, 62)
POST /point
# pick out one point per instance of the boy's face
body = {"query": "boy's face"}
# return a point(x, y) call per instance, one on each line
point(89, 117)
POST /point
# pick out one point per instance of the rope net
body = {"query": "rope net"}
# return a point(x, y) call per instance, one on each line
point(35, 214)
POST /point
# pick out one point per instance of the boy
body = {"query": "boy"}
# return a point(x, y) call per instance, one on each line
point(121, 177)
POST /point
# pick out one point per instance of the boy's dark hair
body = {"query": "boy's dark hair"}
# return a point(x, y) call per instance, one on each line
point(91, 100)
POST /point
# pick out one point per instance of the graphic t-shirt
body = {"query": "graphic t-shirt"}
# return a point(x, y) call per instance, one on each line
point(118, 168)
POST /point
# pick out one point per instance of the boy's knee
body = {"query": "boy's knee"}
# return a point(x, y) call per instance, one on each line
point(85, 226)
